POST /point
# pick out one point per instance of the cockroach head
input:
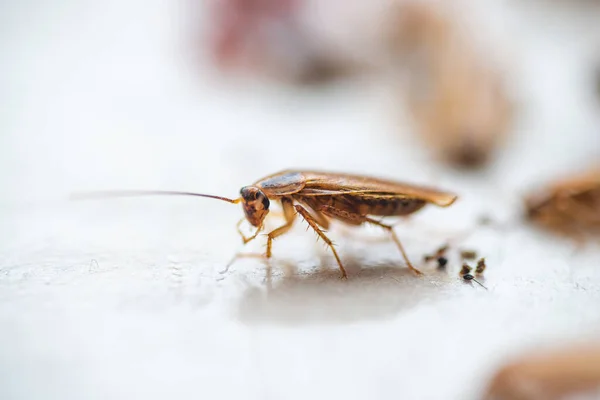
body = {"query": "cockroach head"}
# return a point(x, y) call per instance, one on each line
point(255, 204)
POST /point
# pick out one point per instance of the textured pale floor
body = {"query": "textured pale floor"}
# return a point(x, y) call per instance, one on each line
point(123, 298)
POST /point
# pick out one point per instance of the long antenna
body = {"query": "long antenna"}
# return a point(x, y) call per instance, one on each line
point(132, 193)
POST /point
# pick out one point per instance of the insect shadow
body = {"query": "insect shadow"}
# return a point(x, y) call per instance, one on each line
point(375, 292)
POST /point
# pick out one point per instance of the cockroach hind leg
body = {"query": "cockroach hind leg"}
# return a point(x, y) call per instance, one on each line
point(396, 240)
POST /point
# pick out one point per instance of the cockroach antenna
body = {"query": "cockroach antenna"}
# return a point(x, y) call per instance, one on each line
point(134, 193)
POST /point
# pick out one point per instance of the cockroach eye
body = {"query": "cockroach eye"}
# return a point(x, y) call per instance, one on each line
point(265, 202)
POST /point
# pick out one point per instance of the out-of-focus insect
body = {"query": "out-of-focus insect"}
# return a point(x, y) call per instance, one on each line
point(456, 97)
point(468, 254)
point(558, 374)
point(466, 269)
point(439, 256)
point(570, 206)
point(438, 253)
point(319, 197)
point(465, 273)
point(481, 266)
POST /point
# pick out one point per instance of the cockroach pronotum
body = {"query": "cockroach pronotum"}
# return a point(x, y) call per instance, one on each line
point(319, 197)
point(559, 374)
point(570, 206)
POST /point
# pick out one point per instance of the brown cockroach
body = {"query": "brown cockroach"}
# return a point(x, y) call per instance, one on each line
point(570, 206)
point(458, 101)
point(558, 374)
point(319, 197)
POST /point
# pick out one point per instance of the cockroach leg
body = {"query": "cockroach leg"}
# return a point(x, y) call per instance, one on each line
point(313, 224)
point(357, 218)
point(288, 212)
point(275, 233)
point(244, 238)
point(320, 218)
point(390, 229)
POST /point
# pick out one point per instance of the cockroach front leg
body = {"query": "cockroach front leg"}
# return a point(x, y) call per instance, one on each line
point(313, 224)
point(357, 218)
point(244, 238)
point(288, 213)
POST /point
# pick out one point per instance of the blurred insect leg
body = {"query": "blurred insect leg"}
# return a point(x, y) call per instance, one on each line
point(313, 224)
point(357, 218)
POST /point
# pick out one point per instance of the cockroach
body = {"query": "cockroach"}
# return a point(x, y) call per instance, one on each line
point(456, 98)
point(319, 197)
point(569, 206)
point(557, 374)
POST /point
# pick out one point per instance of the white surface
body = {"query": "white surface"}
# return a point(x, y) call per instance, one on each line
point(122, 298)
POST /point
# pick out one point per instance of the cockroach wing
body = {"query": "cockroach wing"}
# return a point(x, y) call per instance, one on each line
point(323, 184)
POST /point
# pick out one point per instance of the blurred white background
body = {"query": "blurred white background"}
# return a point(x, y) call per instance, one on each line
point(122, 298)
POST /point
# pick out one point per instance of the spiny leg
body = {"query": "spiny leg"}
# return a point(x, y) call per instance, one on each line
point(319, 218)
point(355, 218)
point(313, 224)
